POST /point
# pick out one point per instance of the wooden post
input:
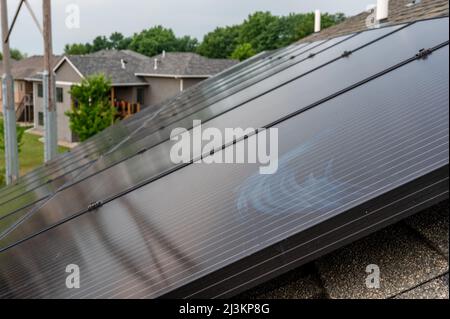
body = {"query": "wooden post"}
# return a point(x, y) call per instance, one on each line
point(113, 105)
point(50, 119)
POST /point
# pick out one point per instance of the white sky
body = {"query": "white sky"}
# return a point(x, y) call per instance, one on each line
point(185, 17)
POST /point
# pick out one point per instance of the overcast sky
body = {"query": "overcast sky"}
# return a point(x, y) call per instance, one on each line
point(185, 17)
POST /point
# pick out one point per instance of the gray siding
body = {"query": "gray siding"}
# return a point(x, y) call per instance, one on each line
point(161, 89)
point(187, 83)
point(66, 73)
point(64, 133)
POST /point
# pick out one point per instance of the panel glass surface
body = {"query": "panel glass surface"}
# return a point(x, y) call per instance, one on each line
point(333, 157)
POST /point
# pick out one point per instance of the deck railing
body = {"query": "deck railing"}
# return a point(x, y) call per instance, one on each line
point(126, 109)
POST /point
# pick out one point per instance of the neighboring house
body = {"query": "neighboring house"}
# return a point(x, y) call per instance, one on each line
point(23, 89)
point(137, 80)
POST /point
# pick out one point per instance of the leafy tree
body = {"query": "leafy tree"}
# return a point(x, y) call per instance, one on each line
point(261, 30)
point(15, 54)
point(101, 43)
point(243, 52)
point(153, 41)
point(186, 44)
point(93, 112)
point(118, 41)
point(303, 25)
point(77, 49)
point(220, 43)
point(20, 132)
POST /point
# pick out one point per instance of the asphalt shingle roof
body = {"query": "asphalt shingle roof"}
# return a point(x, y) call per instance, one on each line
point(186, 64)
point(110, 64)
point(28, 67)
point(400, 11)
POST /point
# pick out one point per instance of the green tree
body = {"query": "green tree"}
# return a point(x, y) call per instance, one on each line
point(153, 41)
point(77, 49)
point(101, 43)
point(302, 25)
point(15, 54)
point(93, 112)
point(20, 132)
point(261, 30)
point(186, 44)
point(243, 52)
point(118, 41)
point(220, 43)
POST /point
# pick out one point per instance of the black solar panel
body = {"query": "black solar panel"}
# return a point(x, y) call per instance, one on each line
point(354, 128)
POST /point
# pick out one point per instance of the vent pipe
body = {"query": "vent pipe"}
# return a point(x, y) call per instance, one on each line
point(164, 53)
point(123, 63)
point(317, 21)
point(382, 10)
point(155, 64)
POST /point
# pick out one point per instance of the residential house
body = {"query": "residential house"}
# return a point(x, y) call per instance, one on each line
point(137, 81)
point(23, 88)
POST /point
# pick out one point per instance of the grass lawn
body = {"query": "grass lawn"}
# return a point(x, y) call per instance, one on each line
point(32, 154)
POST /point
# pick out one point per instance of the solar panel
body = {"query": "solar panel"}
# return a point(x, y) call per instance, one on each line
point(47, 177)
point(352, 129)
point(306, 89)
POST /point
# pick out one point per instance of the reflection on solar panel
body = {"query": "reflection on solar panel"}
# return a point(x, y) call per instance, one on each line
point(363, 142)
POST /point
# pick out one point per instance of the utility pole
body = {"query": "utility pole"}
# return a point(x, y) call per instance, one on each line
point(9, 110)
point(50, 120)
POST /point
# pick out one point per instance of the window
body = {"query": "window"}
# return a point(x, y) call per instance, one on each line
point(59, 95)
point(140, 96)
point(41, 119)
point(40, 90)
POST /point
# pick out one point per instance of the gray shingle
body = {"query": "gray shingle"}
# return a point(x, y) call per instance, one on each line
point(399, 12)
point(186, 64)
point(109, 63)
point(434, 226)
point(404, 260)
point(435, 289)
point(28, 67)
point(110, 66)
point(301, 283)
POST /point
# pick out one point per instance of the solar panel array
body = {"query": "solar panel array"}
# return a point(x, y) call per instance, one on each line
point(358, 117)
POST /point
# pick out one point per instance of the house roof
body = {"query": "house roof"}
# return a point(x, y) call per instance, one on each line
point(185, 64)
point(28, 67)
point(400, 11)
point(137, 65)
point(109, 64)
